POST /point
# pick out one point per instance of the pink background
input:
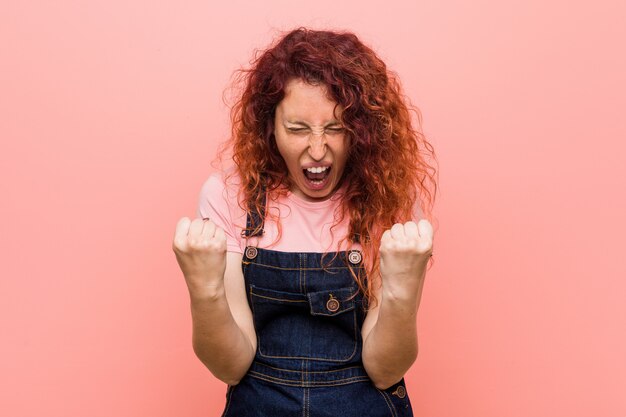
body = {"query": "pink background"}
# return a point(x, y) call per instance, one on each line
point(110, 112)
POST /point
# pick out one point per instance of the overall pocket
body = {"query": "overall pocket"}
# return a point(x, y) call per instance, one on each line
point(319, 325)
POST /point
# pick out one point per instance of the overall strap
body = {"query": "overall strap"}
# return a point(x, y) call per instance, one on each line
point(255, 220)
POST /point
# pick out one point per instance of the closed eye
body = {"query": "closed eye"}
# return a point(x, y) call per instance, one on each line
point(302, 129)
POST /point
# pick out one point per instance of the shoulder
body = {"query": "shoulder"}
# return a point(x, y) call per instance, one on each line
point(219, 192)
point(221, 186)
point(223, 180)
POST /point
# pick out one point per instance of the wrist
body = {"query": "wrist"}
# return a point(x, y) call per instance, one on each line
point(206, 293)
point(398, 296)
point(402, 295)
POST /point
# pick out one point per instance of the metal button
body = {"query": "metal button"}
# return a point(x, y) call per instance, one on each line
point(332, 304)
point(354, 257)
point(400, 392)
point(251, 252)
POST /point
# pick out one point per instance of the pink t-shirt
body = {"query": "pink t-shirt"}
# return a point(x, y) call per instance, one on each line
point(305, 225)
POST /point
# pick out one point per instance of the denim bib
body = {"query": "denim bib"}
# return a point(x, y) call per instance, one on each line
point(308, 313)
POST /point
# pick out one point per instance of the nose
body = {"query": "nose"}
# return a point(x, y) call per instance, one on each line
point(317, 146)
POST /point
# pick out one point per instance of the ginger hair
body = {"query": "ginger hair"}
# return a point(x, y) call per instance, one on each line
point(390, 172)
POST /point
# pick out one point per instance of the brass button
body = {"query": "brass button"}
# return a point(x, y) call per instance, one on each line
point(354, 257)
point(332, 304)
point(400, 392)
point(251, 252)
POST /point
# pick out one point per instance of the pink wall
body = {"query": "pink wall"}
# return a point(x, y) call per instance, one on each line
point(111, 111)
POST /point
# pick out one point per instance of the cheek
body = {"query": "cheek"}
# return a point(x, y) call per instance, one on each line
point(289, 156)
point(283, 149)
point(342, 153)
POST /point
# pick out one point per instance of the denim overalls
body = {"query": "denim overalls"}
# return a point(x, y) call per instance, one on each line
point(308, 318)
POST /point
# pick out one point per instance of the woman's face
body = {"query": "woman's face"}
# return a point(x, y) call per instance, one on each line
point(311, 140)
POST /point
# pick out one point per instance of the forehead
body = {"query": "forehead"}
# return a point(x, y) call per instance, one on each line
point(312, 103)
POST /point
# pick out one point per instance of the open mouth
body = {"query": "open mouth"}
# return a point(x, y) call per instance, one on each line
point(317, 176)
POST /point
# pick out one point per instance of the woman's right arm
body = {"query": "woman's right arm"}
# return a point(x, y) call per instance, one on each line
point(223, 331)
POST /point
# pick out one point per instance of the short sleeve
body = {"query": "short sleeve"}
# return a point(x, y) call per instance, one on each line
point(214, 204)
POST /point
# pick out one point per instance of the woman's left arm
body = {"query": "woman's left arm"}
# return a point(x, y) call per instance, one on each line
point(390, 329)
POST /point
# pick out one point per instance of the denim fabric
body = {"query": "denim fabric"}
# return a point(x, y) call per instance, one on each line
point(308, 315)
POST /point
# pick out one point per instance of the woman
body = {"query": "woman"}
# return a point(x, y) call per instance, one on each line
point(306, 263)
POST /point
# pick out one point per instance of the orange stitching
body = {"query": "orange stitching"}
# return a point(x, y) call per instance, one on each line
point(310, 383)
point(311, 372)
point(277, 299)
point(393, 410)
point(317, 357)
point(296, 269)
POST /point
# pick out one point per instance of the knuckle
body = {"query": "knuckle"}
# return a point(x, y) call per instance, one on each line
point(424, 248)
point(196, 242)
point(179, 244)
point(213, 245)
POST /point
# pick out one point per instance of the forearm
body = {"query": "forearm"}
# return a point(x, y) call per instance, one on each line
point(217, 339)
point(391, 346)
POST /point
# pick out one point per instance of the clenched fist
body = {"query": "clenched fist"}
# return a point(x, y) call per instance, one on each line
point(404, 253)
point(200, 248)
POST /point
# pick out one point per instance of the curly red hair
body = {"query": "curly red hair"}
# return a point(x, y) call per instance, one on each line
point(387, 173)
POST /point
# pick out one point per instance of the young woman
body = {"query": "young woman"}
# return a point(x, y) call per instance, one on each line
point(306, 263)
